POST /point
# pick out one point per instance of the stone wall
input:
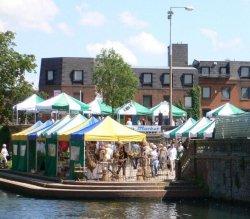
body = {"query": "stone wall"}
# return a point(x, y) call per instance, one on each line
point(222, 166)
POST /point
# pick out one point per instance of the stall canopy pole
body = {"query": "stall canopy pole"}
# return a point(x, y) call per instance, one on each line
point(84, 155)
point(17, 117)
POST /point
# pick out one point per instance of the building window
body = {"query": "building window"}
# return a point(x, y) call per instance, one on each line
point(147, 78)
point(147, 101)
point(188, 102)
point(188, 79)
point(245, 93)
point(165, 79)
point(166, 98)
point(205, 71)
point(206, 92)
point(225, 93)
point(223, 70)
point(50, 76)
point(244, 72)
point(78, 76)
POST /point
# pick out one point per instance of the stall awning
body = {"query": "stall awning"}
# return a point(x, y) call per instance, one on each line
point(175, 133)
point(22, 135)
point(201, 124)
point(226, 109)
point(111, 130)
point(207, 132)
point(65, 136)
point(133, 108)
point(29, 104)
point(37, 132)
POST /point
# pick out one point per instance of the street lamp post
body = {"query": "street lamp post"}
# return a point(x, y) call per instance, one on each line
point(170, 14)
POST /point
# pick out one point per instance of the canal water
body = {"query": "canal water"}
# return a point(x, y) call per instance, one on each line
point(16, 206)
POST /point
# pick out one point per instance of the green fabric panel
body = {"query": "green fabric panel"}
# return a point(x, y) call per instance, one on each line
point(15, 155)
point(32, 155)
point(22, 161)
point(51, 157)
point(78, 159)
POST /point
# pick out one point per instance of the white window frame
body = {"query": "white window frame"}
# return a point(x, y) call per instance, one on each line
point(246, 73)
point(50, 75)
point(184, 78)
point(165, 76)
point(247, 92)
point(202, 68)
point(151, 79)
point(80, 73)
point(229, 93)
point(206, 97)
point(188, 102)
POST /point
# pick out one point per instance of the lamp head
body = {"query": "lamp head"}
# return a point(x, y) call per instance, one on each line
point(189, 8)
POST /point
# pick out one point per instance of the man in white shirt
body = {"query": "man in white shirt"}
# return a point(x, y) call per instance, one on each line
point(172, 157)
point(154, 161)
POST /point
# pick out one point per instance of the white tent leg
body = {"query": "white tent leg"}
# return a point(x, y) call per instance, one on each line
point(17, 117)
point(84, 155)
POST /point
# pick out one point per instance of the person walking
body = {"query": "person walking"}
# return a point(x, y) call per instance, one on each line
point(154, 161)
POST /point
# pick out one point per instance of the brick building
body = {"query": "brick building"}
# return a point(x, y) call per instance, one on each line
point(224, 81)
point(221, 81)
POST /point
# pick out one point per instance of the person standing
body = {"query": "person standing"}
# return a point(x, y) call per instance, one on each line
point(154, 161)
point(129, 122)
point(4, 153)
point(172, 157)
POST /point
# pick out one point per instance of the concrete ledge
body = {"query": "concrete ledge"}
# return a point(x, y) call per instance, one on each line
point(95, 190)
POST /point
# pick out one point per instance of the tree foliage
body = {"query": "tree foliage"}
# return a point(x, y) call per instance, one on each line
point(114, 78)
point(13, 65)
point(195, 94)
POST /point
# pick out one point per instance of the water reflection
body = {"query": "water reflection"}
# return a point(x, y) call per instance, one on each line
point(14, 206)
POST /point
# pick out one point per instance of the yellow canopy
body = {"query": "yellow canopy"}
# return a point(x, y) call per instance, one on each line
point(23, 134)
point(111, 130)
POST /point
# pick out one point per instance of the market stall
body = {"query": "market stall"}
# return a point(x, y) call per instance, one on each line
point(28, 105)
point(177, 132)
point(226, 109)
point(199, 125)
point(17, 140)
point(98, 107)
point(207, 132)
point(163, 108)
point(62, 102)
point(21, 142)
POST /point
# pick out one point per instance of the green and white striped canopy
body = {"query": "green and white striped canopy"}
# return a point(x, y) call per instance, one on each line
point(133, 108)
point(207, 132)
point(29, 104)
point(177, 132)
point(198, 126)
point(98, 107)
point(163, 107)
point(226, 109)
point(62, 102)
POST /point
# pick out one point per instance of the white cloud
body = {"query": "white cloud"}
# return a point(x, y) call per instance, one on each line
point(64, 27)
point(119, 47)
point(218, 43)
point(147, 43)
point(2, 26)
point(130, 20)
point(89, 17)
point(34, 14)
point(92, 18)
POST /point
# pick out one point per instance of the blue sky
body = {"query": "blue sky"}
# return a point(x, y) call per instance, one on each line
point(137, 29)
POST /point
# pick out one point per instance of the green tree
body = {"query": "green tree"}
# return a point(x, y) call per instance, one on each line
point(195, 94)
point(13, 65)
point(114, 78)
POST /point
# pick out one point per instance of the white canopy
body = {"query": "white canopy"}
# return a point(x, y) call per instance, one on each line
point(29, 104)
